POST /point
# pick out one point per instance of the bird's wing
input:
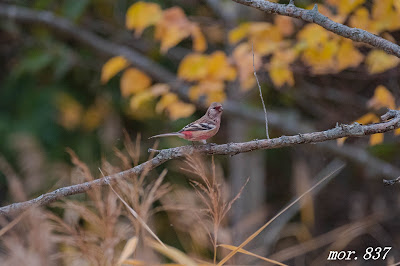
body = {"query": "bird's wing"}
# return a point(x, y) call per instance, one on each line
point(195, 126)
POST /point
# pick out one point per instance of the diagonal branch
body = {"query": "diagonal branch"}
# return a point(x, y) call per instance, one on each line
point(314, 16)
point(354, 130)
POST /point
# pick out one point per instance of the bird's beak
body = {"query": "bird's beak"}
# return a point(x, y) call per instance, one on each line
point(219, 108)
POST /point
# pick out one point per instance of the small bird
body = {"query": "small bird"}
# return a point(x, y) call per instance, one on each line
point(201, 129)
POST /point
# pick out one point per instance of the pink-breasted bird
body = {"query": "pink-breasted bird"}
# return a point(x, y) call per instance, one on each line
point(201, 129)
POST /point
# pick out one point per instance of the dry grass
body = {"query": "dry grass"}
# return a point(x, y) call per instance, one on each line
point(26, 238)
point(100, 230)
point(209, 190)
point(89, 232)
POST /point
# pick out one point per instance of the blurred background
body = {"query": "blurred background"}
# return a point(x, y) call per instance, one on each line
point(93, 79)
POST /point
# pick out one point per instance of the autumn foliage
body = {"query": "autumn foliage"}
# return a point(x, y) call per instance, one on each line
point(275, 45)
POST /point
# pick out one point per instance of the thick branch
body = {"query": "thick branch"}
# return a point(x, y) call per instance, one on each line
point(354, 130)
point(314, 16)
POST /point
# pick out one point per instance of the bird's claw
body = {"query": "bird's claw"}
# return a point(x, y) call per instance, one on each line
point(209, 145)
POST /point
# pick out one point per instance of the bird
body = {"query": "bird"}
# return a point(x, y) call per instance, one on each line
point(201, 129)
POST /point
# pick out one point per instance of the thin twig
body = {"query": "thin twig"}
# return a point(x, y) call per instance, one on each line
point(261, 96)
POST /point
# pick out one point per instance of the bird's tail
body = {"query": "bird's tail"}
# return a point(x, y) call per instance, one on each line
point(176, 134)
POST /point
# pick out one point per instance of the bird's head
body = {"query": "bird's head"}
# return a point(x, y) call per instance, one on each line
point(215, 110)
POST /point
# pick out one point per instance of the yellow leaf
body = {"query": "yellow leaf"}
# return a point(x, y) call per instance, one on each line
point(266, 37)
point(382, 98)
point(213, 90)
point(389, 22)
point(280, 74)
point(159, 89)
point(378, 61)
point(396, 4)
point(219, 68)
point(170, 36)
point(112, 67)
point(321, 58)
point(327, 11)
point(346, 6)
point(243, 58)
point(193, 67)
point(388, 36)
point(279, 69)
point(341, 141)
point(285, 25)
point(199, 42)
point(172, 28)
point(381, 8)
point(367, 118)
point(165, 101)
point(180, 110)
point(348, 56)
point(95, 114)
point(175, 108)
point(313, 35)
point(140, 99)
point(238, 33)
point(216, 96)
point(285, 57)
point(247, 83)
point(142, 15)
point(384, 16)
point(70, 111)
point(376, 139)
point(195, 93)
point(92, 118)
point(133, 81)
point(360, 19)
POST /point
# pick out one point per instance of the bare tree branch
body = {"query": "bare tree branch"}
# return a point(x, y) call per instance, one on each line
point(354, 130)
point(227, 15)
point(314, 16)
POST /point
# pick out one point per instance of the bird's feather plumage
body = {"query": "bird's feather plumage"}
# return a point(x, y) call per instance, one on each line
point(201, 129)
point(167, 135)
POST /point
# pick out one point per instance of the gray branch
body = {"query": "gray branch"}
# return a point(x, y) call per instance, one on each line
point(314, 16)
point(354, 130)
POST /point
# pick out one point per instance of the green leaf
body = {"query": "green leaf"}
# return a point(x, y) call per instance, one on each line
point(73, 9)
point(33, 62)
point(42, 4)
